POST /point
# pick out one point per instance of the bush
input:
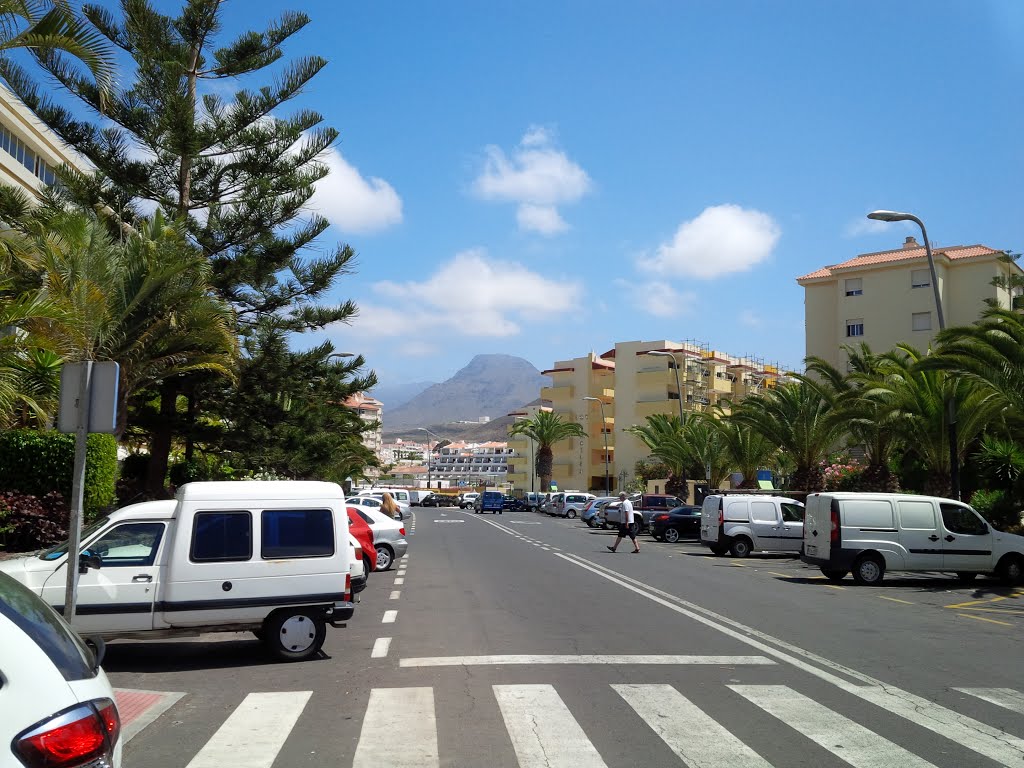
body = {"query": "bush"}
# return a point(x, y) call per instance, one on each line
point(840, 475)
point(998, 508)
point(29, 522)
point(36, 463)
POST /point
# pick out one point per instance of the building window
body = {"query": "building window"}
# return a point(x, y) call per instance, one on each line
point(854, 328)
point(920, 278)
point(921, 321)
point(854, 286)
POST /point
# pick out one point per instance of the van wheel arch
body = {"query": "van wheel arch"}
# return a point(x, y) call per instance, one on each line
point(869, 568)
point(741, 546)
point(1011, 568)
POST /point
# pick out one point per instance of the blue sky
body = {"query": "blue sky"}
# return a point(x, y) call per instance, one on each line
point(544, 179)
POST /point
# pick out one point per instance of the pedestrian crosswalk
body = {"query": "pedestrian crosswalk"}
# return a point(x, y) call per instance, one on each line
point(541, 730)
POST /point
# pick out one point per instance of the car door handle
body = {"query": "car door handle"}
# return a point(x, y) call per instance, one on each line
point(142, 577)
point(933, 537)
point(951, 538)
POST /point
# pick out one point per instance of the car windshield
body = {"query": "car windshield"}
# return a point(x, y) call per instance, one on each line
point(59, 550)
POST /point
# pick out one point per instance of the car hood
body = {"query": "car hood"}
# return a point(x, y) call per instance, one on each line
point(28, 564)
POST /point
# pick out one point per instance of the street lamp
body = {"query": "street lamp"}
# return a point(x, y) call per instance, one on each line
point(675, 368)
point(954, 459)
point(429, 456)
point(599, 401)
point(341, 354)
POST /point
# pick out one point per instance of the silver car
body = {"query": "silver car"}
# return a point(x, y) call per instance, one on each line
point(388, 536)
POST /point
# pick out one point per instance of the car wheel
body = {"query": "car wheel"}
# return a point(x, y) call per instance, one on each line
point(833, 575)
point(590, 523)
point(604, 526)
point(366, 568)
point(1011, 569)
point(869, 570)
point(741, 547)
point(571, 514)
point(384, 557)
point(294, 634)
point(965, 577)
point(672, 535)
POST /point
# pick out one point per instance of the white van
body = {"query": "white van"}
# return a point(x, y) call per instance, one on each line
point(745, 523)
point(870, 533)
point(272, 558)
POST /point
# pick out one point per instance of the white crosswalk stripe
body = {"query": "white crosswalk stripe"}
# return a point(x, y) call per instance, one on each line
point(545, 733)
point(254, 733)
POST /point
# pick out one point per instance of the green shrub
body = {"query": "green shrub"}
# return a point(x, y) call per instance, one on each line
point(37, 463)
point(997, 507)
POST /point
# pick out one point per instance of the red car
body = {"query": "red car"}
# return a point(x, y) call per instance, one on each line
point(358, 528)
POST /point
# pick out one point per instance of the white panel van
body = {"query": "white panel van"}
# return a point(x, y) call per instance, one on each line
point(871, 533)
point(272, 558)
point(743, 523)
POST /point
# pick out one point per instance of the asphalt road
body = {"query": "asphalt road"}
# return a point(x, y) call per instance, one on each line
point(518, 640)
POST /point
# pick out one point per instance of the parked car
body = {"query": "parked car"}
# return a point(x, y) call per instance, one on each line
point(372, 502)
point(364, 535)
point(551, 503)
point(388, 537)
point(592, 510)
point(263, 556)
point(358, 567)
point(512, 504)
point(871, 533)
point(416, 497)
point(571, 504)
point(439, 500)
point(400, 497)
point(466, 500)
point(533, 500)
point(56, 704)
point(745, 523)
point(490, 501)
point(647, 505)
point(680, 523)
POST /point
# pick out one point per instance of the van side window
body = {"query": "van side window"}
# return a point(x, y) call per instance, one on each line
point(221, 537)
point(290, 533)
point(736, 511)
point(129, 545)
point(763, 512)
point(792, 513)
point(917, 515)
point(962, 520)
point(867, 514)
point(672, 502)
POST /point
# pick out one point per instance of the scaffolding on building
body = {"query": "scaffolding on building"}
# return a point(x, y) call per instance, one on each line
point(696, 372)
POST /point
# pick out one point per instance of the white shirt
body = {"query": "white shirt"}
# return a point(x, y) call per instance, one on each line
point(625, 512)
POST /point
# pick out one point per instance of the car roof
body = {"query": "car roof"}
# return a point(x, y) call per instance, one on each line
point(263, 489)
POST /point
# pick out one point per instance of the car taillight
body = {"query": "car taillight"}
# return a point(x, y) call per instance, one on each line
point(834, 538)
point(661, 517)
point(359, 553)
point(78, 736)
point(348, 586)
point(721, 513)
point(402, 530)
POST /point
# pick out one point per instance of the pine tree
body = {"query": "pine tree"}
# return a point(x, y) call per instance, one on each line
point(232, 171)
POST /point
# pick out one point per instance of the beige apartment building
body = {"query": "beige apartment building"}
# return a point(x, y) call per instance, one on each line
point(522, 450)
point(885, 298)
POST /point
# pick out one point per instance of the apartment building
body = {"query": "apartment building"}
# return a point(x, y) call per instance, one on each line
point(371, 411)
point(31, 155)
point(885, 298)
point(471, 463)
point(523, 451)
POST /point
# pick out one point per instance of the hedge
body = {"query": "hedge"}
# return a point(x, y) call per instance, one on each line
point(40, 462)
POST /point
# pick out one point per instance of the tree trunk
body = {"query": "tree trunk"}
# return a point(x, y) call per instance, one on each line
point(938, 484)
point(880, 479)
point(160, 442)
point(544, 464)
point(810, 479)
point(676, 485)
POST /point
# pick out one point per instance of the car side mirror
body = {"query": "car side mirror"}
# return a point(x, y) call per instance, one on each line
point(88, 560)
point(99, 650)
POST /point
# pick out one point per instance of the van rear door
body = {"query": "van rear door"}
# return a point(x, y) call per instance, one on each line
point(710, 519)
point(818, 527)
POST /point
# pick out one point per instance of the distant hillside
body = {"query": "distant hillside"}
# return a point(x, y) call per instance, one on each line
point(396, 395)
point(490, 385)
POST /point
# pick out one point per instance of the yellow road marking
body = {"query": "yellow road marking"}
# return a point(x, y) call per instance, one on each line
point(1007, 611)
point(737, 565)
point(894, 599)
point(834, 586)
point(982, 602)
point(982, 618)
point(783, 575)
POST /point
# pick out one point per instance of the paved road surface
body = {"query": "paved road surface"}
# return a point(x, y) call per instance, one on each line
point(518, 640)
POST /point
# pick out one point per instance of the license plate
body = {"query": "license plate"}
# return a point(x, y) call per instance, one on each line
point(811, 550)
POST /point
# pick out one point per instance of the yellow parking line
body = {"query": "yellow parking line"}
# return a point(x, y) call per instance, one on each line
point(895, 600)
point(981, 602)
point(738, 565)
point(783, 575)
point(834, 586)
point(1007, 611)
point(982, 618)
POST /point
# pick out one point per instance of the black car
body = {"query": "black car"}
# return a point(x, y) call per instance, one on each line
point(515, 505)
point(439, 500)
point(679, 523)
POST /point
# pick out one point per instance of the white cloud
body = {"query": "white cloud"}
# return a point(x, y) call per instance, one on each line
point(722, 240)
point(493, 299)
point(750, 319)
point(866, 226)
point(544, 219)
point(354, 203)
point(537, 176)
point(657, 297)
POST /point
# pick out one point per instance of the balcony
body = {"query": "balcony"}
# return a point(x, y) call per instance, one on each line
point(558, 393)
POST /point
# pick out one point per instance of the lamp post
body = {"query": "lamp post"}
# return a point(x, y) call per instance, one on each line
point(599, 401)
point(954, 459)
point(429, 453)
point(675, 368)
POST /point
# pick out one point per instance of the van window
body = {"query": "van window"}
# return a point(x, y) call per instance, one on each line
point(962, 520)
point(288, 533)
point(859, 513)
point(792, 513)
point(221, 537)
point(736, 511)
point(129, 545)
point(917, 515)
point(763, 512)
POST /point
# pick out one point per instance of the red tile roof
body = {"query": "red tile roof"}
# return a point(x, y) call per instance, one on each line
point(953, 253)
point(600, 364)
point(556, 370)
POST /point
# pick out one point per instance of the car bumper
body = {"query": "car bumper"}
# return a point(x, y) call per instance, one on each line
point(341, 611)
point(401, 546)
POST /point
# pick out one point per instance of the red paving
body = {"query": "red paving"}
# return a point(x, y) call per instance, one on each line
point(133, 704)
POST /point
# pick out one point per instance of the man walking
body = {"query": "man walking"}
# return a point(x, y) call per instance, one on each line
point(626, 527)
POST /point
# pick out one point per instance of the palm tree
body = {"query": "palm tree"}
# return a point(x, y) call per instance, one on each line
point(867, 421)
point(545, 429)
point(45, 27)
point(665, 437)
point(25, 393)
point(914, 392)
point(744, 450)
point(707, 448)
point(797, 419)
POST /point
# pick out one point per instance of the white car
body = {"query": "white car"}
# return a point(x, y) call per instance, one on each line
point(375, 502)
point(360, 568)
point(466, 500)
point(388, 536)
point(56, 704)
